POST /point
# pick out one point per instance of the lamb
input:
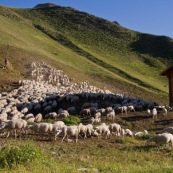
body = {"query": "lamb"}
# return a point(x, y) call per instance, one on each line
point(115, 128)
point(141, 133)
point(68, 131)
point(16, 124)
point(82, 130)
point(128, 132)
point(163, 138)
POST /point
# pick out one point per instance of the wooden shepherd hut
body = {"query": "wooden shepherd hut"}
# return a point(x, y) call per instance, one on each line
point(169, 73)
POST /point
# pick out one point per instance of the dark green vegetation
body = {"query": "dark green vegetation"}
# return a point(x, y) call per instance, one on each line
point(85, 47)
point(71, 120)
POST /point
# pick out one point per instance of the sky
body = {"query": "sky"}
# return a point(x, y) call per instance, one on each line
point(147, 16)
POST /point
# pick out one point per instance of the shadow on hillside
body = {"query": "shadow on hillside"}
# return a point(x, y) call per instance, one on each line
point(136, 118)
point(155, 46)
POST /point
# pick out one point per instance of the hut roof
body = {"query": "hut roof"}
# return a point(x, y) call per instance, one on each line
point(167, 71)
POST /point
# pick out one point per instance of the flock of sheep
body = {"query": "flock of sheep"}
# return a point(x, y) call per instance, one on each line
point(52, 95)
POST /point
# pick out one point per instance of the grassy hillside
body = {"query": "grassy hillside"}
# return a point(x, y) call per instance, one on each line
point(86, 48)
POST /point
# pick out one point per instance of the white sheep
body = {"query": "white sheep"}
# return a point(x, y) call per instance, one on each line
point(141, 133)
point(14, 125)
point(68, 131)
point(82, 130)
point(131, 108)
point(115, 128)
point(89, 129)
point(154, 113)
point(24, 110)
point(102, 130)
point(110, 115)
point(148, 112)
point(41, 128)
point(163, 138)
point(38, 118)
point(57, 126)
point(128, 132)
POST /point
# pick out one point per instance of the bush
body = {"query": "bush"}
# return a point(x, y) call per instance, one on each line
point(146, 136)
point(18, 154)
point(71, 120)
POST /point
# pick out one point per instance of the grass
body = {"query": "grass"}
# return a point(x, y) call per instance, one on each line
point(93, 154)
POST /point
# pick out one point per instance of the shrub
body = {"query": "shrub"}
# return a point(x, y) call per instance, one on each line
point(146, 136)
point(50, 121)
point(12, 155)
point(71, 120)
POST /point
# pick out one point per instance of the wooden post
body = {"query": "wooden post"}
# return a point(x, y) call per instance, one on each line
point(169, 74)
point(170, 77)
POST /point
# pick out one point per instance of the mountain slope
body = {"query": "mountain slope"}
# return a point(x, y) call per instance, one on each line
point(100, 51)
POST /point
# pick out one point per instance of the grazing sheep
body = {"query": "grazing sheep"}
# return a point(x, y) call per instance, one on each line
point(31, 120)
point(3, 117)
point(38, 118)
point(28, 116)
point(163, 138)
point(85, 113)
point(51, 115)
point(57, 126)
point(141, 133)
point(14, 125)
point(89, 129)
point(110, 115)
point(131, 108)
point(154, 113)
point(68, 131)
point(164, 111)
point(102, 130)
point(63, 114)
point(82, 130)
point(128, 132)
point(115, 128)
point(41, 128)
point(122, 132)
point(148, 112)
